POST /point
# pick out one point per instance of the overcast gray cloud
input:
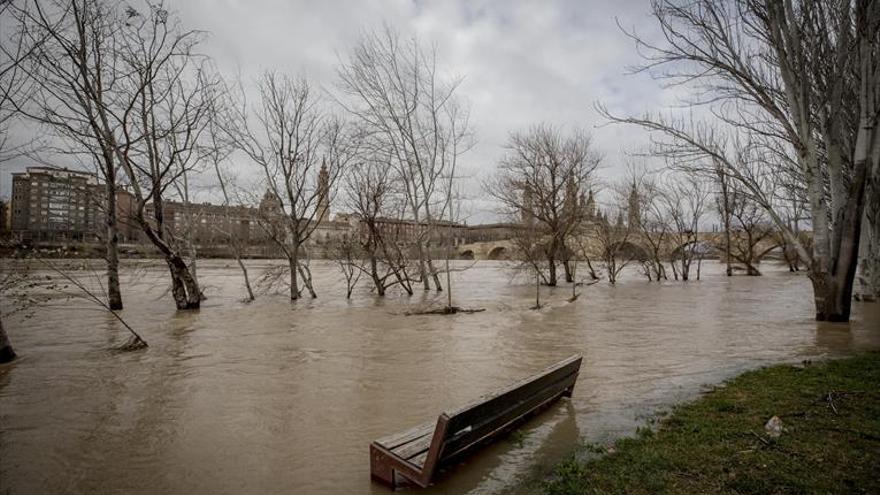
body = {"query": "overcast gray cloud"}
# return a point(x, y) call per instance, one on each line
point(523, 62)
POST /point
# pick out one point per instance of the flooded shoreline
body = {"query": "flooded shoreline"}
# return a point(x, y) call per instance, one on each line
point(281, 396)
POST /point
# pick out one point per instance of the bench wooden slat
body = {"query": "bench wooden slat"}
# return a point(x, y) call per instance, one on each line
point(414, 448)
point(393, 441)
point(420, 459)
point(416, 453)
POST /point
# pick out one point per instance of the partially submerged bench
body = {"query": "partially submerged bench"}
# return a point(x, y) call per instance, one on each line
point(418, 453)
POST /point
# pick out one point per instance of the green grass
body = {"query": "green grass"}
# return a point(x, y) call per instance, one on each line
point(717, 444)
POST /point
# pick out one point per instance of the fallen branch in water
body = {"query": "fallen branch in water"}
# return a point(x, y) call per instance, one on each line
point(446, 310)
point(135, 342)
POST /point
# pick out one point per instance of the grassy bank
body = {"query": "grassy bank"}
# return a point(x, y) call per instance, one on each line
point(718, 444)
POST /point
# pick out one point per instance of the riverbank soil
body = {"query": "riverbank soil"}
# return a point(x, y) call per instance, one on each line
point(830, 442)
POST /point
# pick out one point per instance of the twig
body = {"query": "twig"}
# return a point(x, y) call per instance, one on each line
point(759, 437)
point(830, 399)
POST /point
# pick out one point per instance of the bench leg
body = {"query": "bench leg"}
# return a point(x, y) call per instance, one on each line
point(380, 468)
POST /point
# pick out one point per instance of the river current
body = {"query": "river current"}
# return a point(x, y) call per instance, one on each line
point(284, 397)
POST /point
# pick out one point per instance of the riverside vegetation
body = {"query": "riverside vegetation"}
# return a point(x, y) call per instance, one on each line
point(830, 442)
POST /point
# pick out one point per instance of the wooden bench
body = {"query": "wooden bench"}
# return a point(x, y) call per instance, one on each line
point(417, 454)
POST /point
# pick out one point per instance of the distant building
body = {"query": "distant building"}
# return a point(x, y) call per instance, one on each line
point(209, 224)
point(52, 204)
point(5, 217)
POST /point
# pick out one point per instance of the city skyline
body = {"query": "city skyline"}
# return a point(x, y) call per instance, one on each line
point(520, 65)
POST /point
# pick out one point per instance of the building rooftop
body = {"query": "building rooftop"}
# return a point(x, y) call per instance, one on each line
point(57, 172)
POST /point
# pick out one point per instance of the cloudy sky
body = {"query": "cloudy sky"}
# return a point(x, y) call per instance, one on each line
point(523, 62)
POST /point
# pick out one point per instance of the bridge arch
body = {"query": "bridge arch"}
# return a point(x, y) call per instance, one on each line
point(497, 253)
point(467, 254)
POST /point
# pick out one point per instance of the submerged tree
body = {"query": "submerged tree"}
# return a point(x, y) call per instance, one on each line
point(541, 182)
point(375, 200)
point(394, 89)
point(126, 86)
point(77, 93)
point(172, 93)
point(799, 78)
point(686, 202)
point(750, 227)
point(301, 150)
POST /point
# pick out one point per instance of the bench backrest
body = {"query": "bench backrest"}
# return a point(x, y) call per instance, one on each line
point(462, 428)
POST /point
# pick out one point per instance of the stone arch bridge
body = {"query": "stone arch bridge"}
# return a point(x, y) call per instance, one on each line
point(636, 248)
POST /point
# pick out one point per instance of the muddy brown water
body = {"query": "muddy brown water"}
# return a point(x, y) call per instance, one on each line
point(282, 397)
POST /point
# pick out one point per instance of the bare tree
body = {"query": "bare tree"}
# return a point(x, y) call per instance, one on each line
point(686, 202)
point(302, 151)
point(72, 46)
point(11, 91)
point(750, 226)
point(394, 89)
point(128, 84)
point(723, 205)
point(799, 78)
point(652, 224)
point(374, 199)
point(540, 182)
point(169, 87)
point(615, 246)
point(234, 231)
point(345, 252)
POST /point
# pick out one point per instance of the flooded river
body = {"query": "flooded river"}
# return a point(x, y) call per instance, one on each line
point(282, 397)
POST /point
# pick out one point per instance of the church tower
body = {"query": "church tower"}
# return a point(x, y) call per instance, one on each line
point(323, 213)
point(634, 209)
point(590, 206)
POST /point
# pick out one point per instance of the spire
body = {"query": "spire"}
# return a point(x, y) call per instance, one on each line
point(323, 212)
point(634, 209)
point(591, 205)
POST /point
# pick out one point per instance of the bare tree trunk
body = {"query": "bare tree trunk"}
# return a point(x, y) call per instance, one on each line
point(7, 354)
point(593, 274)
point(833, 290)
point(551, 262)
point(537, 290)
point(448, 280)
point(729, 270)
point(306, 275)
point(378, 283)
point(423, 271)
point(869, 244)
point(293, 263)
point(114, 295)
point(569, 277)
point(193, 253)
point(184, 287)
point(244, 271)
point(434, 274)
